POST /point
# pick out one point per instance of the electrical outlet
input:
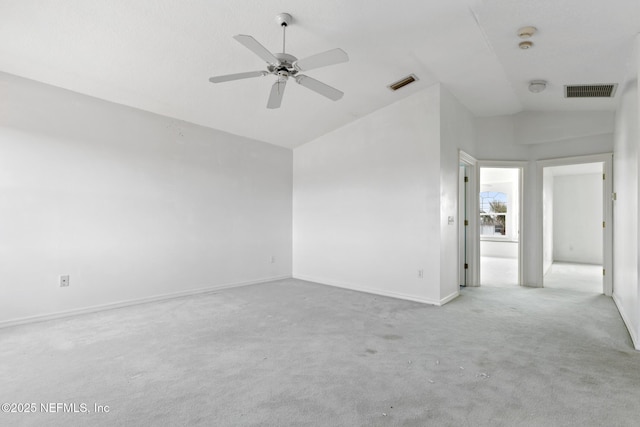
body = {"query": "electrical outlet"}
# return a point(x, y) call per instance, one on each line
point(64, 281)
point(420, 274)
point(273, 259)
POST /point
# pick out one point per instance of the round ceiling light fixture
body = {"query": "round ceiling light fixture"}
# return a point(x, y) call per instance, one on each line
point(527, 32)
point(537, 86)
point(525, 45)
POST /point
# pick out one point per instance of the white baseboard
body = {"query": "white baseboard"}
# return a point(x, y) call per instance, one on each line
point(390, 294)
point(451, 297)
point(110, 306)
point(627, 322)
point(532, 285)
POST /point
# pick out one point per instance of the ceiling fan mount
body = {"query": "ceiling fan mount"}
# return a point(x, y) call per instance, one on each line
point(284, 19)
point(284, 65)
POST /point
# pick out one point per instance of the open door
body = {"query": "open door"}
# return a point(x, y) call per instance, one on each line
point(463, 180)
point(467, 223)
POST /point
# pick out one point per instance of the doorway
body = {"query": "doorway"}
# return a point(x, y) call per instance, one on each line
point(500, 221)
point(576, 223)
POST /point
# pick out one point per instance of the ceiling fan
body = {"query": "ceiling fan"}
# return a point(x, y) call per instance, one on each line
point(284, 65)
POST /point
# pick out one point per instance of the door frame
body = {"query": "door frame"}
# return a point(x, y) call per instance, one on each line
point(471, 206)
point(507, 164)
point(607, 203)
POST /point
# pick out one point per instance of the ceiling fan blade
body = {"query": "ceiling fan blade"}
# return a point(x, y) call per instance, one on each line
point(319, 87)
point(255, 47)
point(330, 57)
point(238, 76)
point(277, 90)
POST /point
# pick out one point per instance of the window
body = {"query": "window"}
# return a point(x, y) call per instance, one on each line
point(493, 214)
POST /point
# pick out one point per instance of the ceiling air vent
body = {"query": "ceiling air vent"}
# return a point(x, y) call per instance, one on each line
point(403, 82)
point(590, 91)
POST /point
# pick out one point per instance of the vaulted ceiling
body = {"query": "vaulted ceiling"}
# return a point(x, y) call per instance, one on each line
point(157, 55)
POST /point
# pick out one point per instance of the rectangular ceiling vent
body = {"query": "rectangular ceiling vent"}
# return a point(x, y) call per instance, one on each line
point(403, 82)
point(590, 91)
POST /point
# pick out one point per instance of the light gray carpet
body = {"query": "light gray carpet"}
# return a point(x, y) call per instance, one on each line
point(576, 277)
point(301, 354)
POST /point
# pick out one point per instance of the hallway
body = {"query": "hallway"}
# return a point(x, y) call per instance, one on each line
point(575, 277)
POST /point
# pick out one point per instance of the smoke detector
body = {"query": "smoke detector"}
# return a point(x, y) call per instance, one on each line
point(537, 86)
point(527, 32)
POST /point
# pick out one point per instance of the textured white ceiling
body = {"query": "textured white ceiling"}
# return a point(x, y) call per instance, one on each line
point(157, 55)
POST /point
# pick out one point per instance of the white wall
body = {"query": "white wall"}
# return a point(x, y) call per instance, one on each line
point(496, 140)
point(547, 220)
point(625, 210)
point(130, 204)
point(492, 248)
point(534, 127)
point(366, 202)
point(457, 132)
point(577, 218)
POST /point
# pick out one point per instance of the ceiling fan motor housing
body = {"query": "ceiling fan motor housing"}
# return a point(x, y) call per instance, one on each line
point(284, 66)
